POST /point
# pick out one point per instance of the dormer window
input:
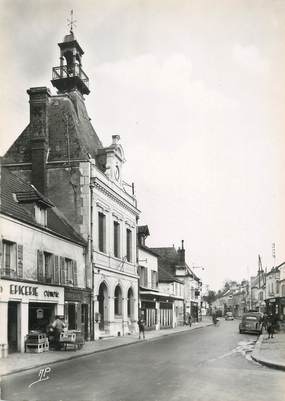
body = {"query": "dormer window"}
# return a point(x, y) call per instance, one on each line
point(41, 215)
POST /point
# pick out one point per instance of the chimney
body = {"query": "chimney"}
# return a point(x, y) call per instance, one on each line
point(115, 139)
point(39, 98)
point(181, 253)
point(141, 239)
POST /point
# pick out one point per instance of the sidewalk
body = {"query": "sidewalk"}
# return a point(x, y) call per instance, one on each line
point(19, 362)
point(270, 352)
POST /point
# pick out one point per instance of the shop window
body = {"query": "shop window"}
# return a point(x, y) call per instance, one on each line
point(101, 232)
point(129, 245)
point(9, 263)
point(116, 239)
point(118, 301)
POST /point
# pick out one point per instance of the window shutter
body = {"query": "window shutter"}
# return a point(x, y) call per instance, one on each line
point(62, 270)
point(56, 270)
point(20, 261)
point(145, 278)
point(1, 257)
point(40, 265)
point(52, 273)
point(75, 279)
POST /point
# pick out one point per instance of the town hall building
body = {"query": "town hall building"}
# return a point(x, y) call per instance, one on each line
point(61, 155)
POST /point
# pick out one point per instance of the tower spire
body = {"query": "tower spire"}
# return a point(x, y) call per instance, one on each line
point(69, 75)
point(71, 22)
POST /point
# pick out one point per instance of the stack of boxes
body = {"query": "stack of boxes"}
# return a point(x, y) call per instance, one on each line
point(36, 342)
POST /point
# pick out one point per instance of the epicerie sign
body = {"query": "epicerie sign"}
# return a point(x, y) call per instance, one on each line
point(16, 289)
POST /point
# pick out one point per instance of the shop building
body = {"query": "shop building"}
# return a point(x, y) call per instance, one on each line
point(275, 294)
point(174, 288)
point(41, 258)
point(149, 297)
point(173, 262)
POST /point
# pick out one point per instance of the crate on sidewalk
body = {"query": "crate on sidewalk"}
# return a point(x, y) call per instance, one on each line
point(35, 348)
point(36, 342)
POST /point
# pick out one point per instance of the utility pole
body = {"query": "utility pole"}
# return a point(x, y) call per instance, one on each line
point(274, 254)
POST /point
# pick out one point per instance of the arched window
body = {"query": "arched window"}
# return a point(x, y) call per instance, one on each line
point(130, 302)
point(118, 301)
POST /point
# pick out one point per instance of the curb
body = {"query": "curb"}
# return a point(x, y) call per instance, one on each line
point(98, 351)
point(257, 358)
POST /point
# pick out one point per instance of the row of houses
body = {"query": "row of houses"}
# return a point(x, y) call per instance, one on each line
point(71, 244)
point(264, 292)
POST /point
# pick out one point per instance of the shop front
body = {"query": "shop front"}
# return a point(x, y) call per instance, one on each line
point(194, 311)
point(26, 306)
point(276, 307)
point(149, 314)
point(77, 303)
point(166, 314)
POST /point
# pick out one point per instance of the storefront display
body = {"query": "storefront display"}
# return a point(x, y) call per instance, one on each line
point(27, 307)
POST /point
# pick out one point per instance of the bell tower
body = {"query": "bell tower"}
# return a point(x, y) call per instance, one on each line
point(69, 75)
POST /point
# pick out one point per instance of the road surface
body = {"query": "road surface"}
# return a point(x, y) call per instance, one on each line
point(208, 364)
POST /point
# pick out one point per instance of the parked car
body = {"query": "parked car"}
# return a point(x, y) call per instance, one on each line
point(229, 316)
point(251, 322)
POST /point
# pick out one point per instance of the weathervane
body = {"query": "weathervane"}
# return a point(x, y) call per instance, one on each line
point(71, 22)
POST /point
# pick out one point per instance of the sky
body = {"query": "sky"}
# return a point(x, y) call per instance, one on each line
point(196, 91)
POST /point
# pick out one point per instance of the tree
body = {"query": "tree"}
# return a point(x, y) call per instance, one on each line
point(211, 297)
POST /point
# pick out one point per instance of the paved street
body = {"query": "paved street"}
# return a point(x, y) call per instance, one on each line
point(212, 363)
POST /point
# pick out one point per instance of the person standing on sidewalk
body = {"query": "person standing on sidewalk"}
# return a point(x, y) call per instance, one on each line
point(270, 326)
point(190, 320)
point(141, 324)
point(58, 326)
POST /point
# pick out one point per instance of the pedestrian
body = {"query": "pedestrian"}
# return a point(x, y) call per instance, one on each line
point(58, 326)
point(190, 320)
point(270, 326)
point(141, 324)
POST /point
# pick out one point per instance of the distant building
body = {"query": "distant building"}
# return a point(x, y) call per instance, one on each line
point(173, 262)
point(275, 293)
point(161, 294)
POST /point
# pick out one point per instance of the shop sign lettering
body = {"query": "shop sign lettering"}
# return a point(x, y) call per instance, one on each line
point(16, 289)
point(52, 294)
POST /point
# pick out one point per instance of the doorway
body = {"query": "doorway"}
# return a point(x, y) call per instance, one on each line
point(84, 320)
point(12, 327)
point(103, 299)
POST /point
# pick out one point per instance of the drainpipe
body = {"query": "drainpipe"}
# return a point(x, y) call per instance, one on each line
point(91, 260)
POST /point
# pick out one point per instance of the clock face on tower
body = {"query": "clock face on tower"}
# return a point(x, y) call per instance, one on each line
point(117, 173)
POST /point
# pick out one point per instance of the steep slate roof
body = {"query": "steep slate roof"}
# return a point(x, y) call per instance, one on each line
point(143, 230)
point(64, 110)
point(10, 206)
point(168, 260)
point(147, 249)
point(166, 277)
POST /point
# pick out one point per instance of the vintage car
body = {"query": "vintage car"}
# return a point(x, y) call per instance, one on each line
point(251, 322)
point(229, 316)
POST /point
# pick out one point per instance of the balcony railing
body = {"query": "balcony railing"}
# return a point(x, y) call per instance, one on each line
point(70, 72)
